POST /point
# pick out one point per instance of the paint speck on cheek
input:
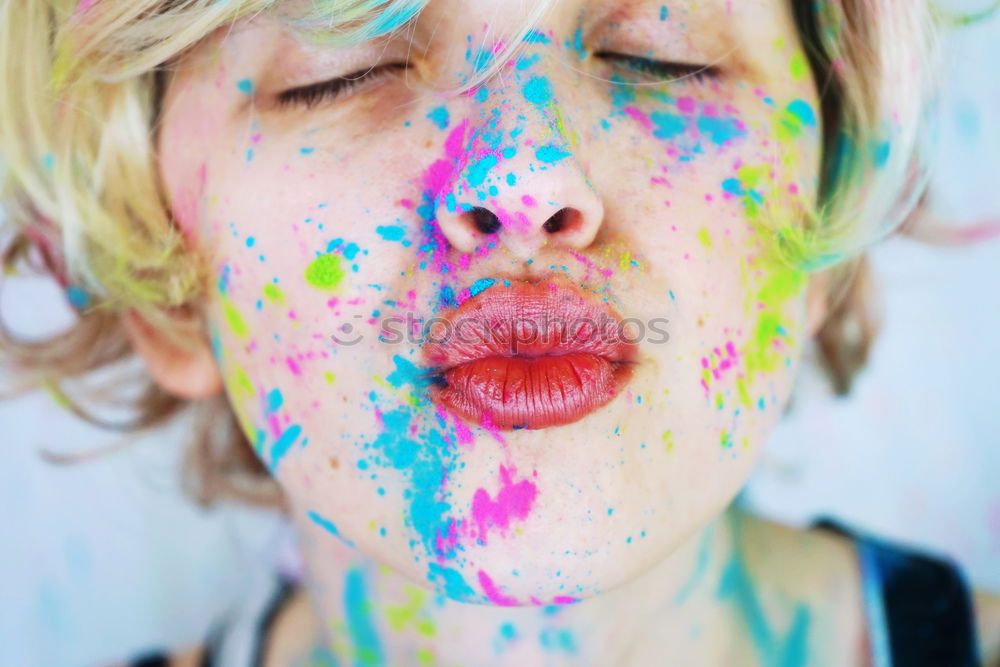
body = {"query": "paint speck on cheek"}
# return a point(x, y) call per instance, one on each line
point(325, 272)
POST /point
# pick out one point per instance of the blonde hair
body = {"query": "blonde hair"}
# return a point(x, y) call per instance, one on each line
point(79, 96)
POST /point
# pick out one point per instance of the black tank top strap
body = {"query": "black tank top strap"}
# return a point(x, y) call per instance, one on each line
point(925, 603)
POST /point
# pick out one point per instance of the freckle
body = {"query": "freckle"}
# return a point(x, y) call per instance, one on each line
point(334, 463)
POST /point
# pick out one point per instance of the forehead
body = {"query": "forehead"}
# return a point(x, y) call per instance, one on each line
point(744, 32)
point(499, 15)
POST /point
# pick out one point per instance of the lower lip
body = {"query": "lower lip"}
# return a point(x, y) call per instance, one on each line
point(532, 392)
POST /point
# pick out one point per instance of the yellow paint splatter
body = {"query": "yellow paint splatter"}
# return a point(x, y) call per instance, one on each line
point(704, 237)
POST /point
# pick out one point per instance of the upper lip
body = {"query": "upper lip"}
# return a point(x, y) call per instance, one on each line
point(527, 319)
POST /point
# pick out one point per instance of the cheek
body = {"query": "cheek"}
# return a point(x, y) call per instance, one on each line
point(712, 180)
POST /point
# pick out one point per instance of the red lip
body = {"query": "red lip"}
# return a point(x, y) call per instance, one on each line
point(529, 355)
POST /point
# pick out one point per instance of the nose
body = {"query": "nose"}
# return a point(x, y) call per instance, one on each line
point(518, 178)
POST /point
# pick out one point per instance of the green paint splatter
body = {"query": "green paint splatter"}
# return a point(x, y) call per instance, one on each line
point(274, 294)
point(668, 440)
point(236, 322)
point(704, 238)
point(409, 613)
point(325, 272)
point(799, 67)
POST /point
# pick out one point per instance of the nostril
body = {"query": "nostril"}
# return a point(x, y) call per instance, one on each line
point(485, 220)
point(560, 220)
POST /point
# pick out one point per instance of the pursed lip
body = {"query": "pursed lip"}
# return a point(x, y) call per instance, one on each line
point(528, 355)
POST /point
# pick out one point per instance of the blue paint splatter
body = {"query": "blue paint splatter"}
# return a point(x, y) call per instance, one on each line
point(406, 373)
point(392, 16)
point(245, 86)
point(446, 297)
point(550, 154)
point(538, 90)
point(479, 170)
point(328, 525)
point(360, 622)
point(390, 232)
point(525, 63)
point(803, 111)
point(664, 13)
point(668, 125)
point(439, 116)
point(351, 250)
point(577, 44)
point(451, 582)
point(880, 153)
point(700, 567)
point(480, 285)
point(536, 37)
point(274, 401)
point(737, 586)
point(306, 150)
point(283, 444)
point(720, 130)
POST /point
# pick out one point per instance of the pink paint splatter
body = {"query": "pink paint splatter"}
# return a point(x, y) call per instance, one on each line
point(513, 501)
point(493, 593)
point(639, 117)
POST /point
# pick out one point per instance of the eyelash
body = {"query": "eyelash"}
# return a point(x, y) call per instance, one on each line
point(327, 91)
point(662, 69)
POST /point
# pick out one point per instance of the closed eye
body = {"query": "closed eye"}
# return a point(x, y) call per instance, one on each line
point(661, 69)
point(327, 91)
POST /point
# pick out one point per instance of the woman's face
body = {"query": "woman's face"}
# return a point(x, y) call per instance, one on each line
point(498, 462)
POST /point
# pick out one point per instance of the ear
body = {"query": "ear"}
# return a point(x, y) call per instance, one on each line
point(188, 372)
point(817, 301)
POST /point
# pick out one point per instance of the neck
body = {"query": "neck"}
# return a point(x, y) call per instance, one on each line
point(370, 614)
